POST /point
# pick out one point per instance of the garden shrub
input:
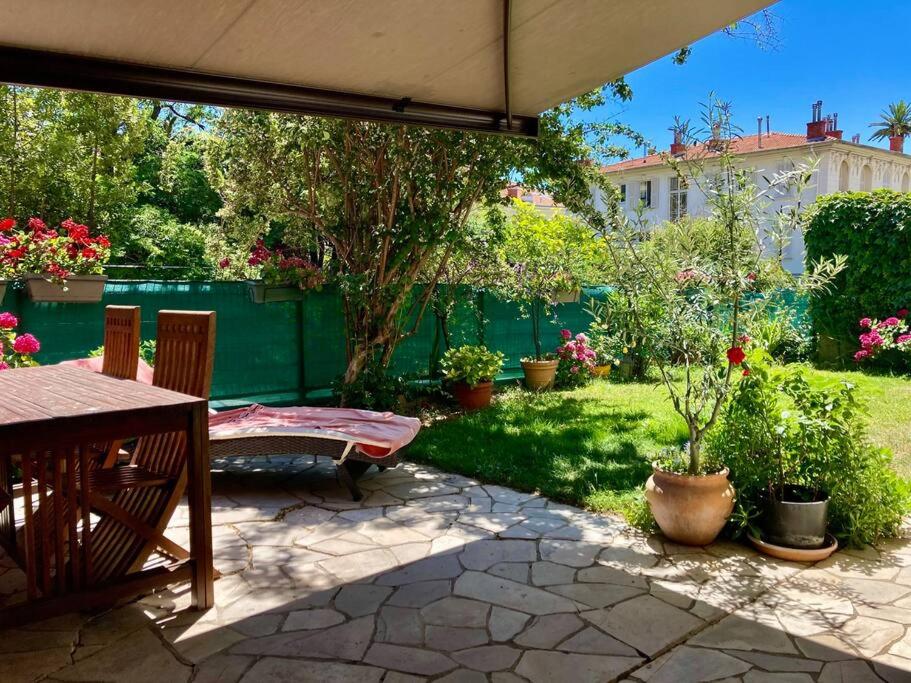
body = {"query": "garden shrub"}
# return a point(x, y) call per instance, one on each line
point(777, 429)
point(873, 229)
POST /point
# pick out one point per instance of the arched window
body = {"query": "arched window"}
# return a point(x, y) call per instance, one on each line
point(887, 179)
point(866, 178)
point(844, 175)
point(906, 182)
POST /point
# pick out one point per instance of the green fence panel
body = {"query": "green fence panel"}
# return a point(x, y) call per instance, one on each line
point(323, 346)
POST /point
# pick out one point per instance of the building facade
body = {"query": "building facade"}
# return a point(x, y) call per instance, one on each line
point(649, 186)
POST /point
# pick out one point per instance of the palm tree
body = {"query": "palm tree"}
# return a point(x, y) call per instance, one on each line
point(893, 122)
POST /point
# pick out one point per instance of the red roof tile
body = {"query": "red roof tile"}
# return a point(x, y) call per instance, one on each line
point(744, 145)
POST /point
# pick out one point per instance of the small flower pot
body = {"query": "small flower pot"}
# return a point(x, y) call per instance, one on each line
point(539, 374)
point(472, 397)
point(261, 293)
point(3, 284)
point(78, 289)
point(568, 296)
point(799, 520)
point(602, 370)
point(690, 510)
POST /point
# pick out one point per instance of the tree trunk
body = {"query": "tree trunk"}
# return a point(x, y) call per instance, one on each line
point(14, 151)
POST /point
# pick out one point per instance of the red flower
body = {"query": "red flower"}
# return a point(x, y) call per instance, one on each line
point(224, 263)
point(78, 233)
point(751, 277)
point(26, 344)
point(103, 242)
point(744, 339)
point(36, 225)
point(902, 312)
point(89, 253)
point(746, 372)
point(8, 321)
point(7, 224)
point(736, 355)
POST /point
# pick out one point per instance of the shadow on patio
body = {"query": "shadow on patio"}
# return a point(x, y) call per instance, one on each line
point(435, 576)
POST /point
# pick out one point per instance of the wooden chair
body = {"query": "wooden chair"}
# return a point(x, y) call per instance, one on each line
point(121, 341)
point(136, 502)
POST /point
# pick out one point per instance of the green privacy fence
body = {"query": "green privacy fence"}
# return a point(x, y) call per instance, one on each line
point(282, 352)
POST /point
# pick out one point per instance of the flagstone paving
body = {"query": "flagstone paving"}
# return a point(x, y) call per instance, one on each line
point(438, 577)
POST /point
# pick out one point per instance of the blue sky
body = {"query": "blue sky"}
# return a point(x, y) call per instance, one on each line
point(850, 54)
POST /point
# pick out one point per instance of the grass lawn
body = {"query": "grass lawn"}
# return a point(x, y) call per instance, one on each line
point(592, 446)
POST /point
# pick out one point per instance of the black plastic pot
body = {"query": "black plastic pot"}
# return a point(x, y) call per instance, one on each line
point(798, 520)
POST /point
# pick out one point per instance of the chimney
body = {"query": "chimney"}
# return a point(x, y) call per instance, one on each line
point(897, 144)
point(816, 128)
point(855, 138)
point(759, 131)
point(514, 191)
point(678, 148)
point(832, 127)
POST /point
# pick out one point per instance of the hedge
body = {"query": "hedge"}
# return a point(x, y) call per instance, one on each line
point(873, 230)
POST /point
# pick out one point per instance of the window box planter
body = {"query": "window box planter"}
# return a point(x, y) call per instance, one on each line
point(568, 297)
point(79, 289)
point(261, 293)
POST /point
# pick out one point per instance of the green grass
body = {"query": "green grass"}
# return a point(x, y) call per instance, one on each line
point(592, 446)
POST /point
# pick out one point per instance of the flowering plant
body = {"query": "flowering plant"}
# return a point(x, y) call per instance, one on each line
point(279, 268)
point(57, 254)
point(472, 364)
point(893, 332)
point(15, 350)
point(576, 360)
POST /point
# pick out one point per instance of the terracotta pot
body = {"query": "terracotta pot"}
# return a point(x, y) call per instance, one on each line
point(602, 370)
point(79, 289)
point(472, 397)
point(796, 554)
point(539, 374)
point(690, 510)
point(261, 293)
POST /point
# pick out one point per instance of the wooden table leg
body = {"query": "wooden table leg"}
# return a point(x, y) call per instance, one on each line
point(199, 493)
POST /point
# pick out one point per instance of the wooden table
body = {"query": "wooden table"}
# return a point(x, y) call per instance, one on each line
point(50, 415)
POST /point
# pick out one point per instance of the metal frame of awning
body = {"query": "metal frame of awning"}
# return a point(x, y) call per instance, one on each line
point(71, 72)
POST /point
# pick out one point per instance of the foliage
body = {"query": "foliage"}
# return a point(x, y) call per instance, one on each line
point(782, 328)
point(159, 246)
point(701, 275)
point(547, 255)
point(779, 431)
point(576, 360)
point(146, 351)
point(16, 350)
point(893, 122)
point(873, 230)
point(472, 364)
point(57, 254)
point(279, 267)
point(612, 331)
point(890, 334)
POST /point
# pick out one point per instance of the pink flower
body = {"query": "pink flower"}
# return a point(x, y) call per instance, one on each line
point(903, 339)
point(891, 321)
point(581, 338)
point(8, 321)
point(751, 277)
point(902, 312)
point(26, 344)
point(870, 339)
point(865, 323)
point(224, 263)
point(744, 339)
point(574, 369)
point(861, 355)
point(3, 365)
point(566, 334)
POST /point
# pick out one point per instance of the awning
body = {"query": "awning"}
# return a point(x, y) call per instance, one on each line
point(428, 62)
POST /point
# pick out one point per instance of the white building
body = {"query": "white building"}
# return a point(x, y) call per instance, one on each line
point(842, 166)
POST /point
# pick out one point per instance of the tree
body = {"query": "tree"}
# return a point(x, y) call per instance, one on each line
point(381, 204)
point(893, 122)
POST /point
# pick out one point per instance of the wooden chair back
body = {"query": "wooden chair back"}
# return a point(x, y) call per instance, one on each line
point(121, 341)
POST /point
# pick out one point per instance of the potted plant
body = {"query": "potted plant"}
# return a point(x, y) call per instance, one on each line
point(575, 360)
point(471, 371)
point(892, 334)
point(16, 350)
point(894, 124)
point(701, 276)
point(62, 265)
point(283, 276)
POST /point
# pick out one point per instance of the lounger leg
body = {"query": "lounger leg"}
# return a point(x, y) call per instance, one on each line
point(349, 472)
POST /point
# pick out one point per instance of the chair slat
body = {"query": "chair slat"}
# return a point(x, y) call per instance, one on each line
point(121, 341)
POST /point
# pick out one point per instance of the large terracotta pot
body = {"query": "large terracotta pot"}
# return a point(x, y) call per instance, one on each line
point(690, 510)
point(79, 289)
point(539, 374)
point(472, 397)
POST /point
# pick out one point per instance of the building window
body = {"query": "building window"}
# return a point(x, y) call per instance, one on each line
point(844, 177)
point(645, 193)
point(677, 197)
point(623, 193)
point(906, 182)
point(866, 178)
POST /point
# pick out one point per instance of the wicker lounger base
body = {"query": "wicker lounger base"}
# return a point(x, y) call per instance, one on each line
point(349, 471)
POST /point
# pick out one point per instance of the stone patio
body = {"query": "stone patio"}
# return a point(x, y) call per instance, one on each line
point(436, 577)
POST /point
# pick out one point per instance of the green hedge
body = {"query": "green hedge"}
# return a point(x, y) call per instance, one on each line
point(873, 229)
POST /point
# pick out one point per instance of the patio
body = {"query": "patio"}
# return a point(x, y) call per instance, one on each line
point(433, 576)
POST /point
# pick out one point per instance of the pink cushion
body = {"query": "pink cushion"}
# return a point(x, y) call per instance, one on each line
point(144, 372)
